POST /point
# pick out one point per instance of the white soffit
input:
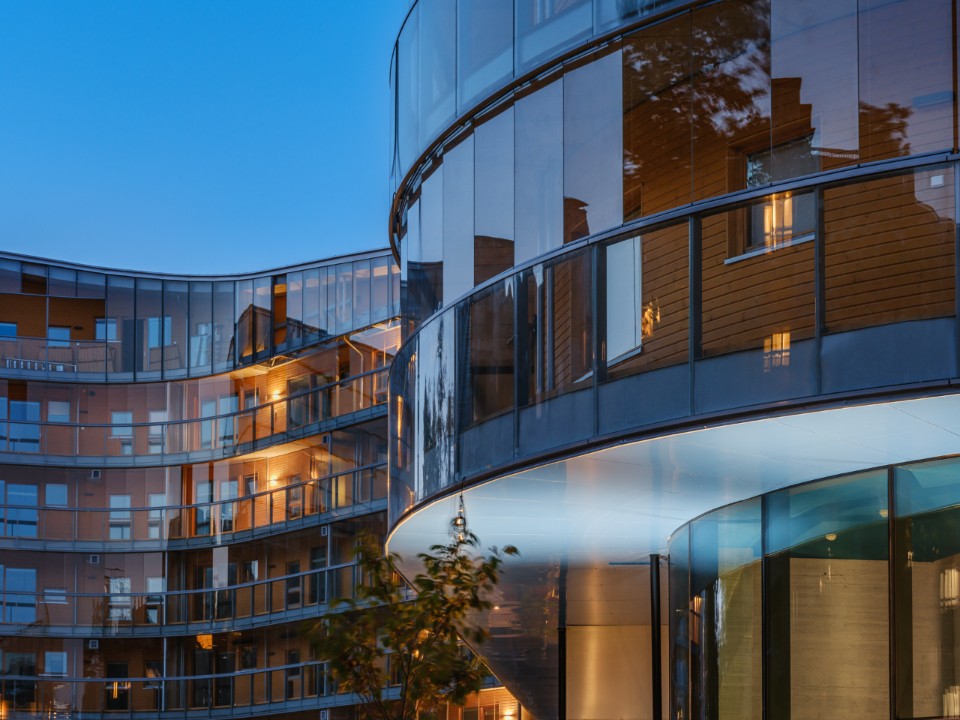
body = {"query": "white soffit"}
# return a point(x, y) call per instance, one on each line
point(622, 503)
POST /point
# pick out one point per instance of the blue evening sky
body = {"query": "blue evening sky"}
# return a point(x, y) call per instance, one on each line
point(197, 136)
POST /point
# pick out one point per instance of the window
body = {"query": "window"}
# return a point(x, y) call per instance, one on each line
point(22, 510)
point(8, 329)
point(293, 585)
point(58, 411)
point(58, 336)
point(155, 338)
point(106, 329)
point(25, 435)
point(121, 424)
point(54, 663)
point(156, 501)
point(119, 517)
point(786, 217)
point(20, 599)
point(55, 595)
point(55, 494)
point(625, 314)
point(121, 606)
point(154, 600)
point(155, 431)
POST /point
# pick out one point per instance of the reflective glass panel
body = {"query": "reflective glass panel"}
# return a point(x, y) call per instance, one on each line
point(889, 250)
point(657, 88)
point(457, 220)
point(539, 171)
point(201, 326)
point(175, 307)
point(223, 326)
point(484, 46)
point(592, 147)
point(488, 335)
point(438, 60)
point(493, 225)
point(545, 27)
point(731, 92)
point(408, 89)
point(906, 77)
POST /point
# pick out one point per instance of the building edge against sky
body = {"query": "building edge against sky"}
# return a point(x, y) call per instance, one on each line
point(679, 293)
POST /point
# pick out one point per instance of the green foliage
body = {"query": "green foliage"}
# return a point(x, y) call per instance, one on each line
point(413, 630)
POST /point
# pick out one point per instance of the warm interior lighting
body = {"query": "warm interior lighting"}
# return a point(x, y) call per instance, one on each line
point(777, 220)
point(205, 642)
point(830, 537)
point(776, 350)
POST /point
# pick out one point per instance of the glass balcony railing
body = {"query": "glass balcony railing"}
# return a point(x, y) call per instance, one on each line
point(228, 434)
point(262, 512)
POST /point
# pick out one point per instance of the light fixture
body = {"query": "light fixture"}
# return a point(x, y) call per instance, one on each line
point(459, 523)
point(830, 537)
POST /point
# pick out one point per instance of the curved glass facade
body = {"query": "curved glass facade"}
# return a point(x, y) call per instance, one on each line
point(682, 315)
point(184, 466)
point(638, 243)
point(784, 596)
point(711, 101)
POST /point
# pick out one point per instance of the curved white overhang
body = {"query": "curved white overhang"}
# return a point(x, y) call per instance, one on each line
point(619, 504)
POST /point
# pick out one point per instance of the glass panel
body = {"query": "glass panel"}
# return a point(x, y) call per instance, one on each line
point(726, 607)
point(559, 343)
point(681, 623)
point(484, 47)
point(344, 297)
point(624, 307)
point(457, 219)
point(201, 326)
point(813, 63)
point(545, 27)
point(151, 327)
point(592, 147)
point(662, 289)
point(906, 79)
point(438, 37)
point(244, 314)
point(223, 326)
point(764, 301)
point(408, 89)
point(657, 88)
point(294, 319)
point(263, 320)
point(361, 293)
point(314, 304)
point(539, 171)
point(175, 301)
point(435, 406)
point(731, 103)
point(488, 335)
point(928, 589)
point(62, 282)
point(493, 224)
point(827, 597)
point(118, 328)
point(380, 292)
point(889, 250)
point(425, 242)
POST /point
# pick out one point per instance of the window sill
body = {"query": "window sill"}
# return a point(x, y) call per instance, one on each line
point(757, 252)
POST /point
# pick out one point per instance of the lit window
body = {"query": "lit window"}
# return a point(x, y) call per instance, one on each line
point(776, 351)
point(783, 217)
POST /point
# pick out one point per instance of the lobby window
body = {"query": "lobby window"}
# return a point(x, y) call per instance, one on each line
point(781, 218)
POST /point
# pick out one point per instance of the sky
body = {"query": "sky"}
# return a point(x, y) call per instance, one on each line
point(195, 136)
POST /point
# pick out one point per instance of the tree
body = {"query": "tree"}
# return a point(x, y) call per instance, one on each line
point(408, 636)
